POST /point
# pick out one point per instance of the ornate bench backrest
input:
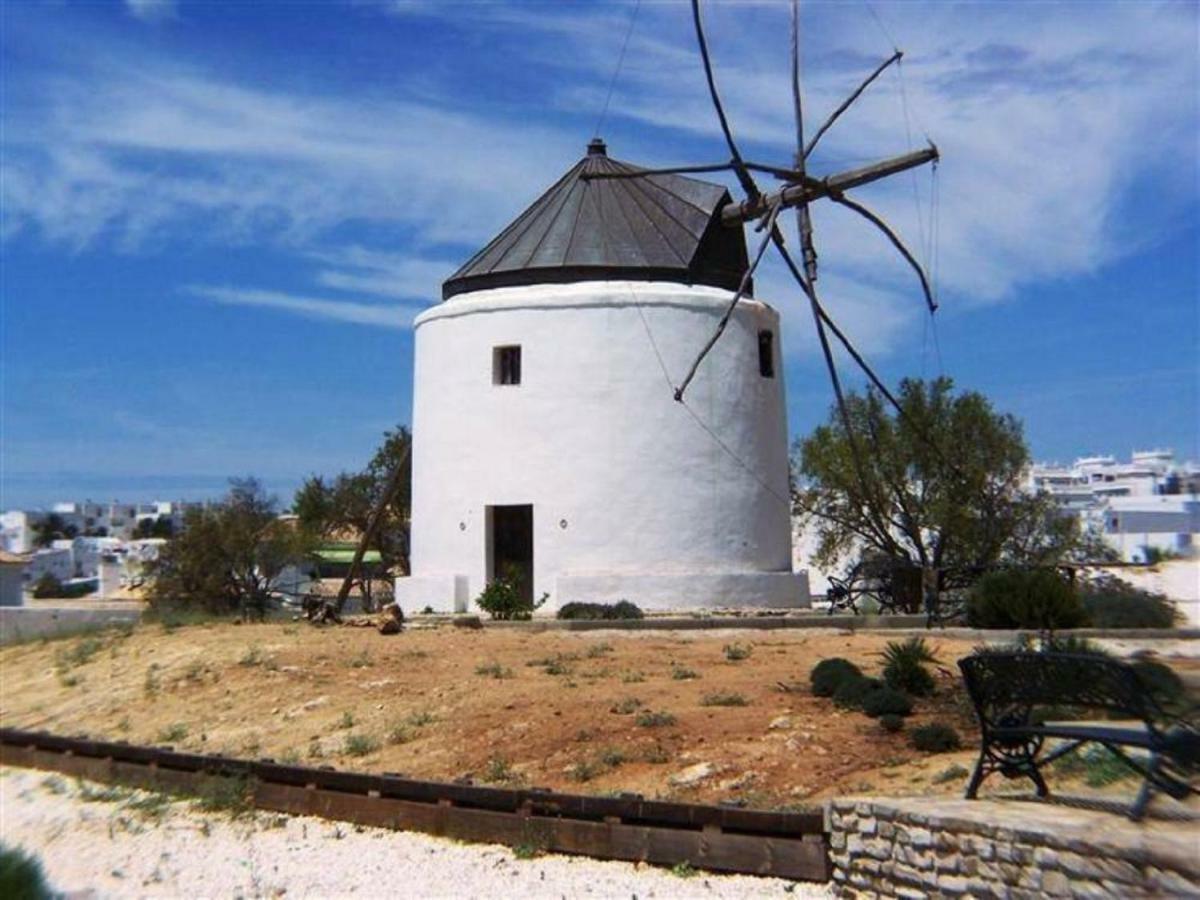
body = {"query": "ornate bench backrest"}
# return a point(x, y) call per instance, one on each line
point(1006, 686)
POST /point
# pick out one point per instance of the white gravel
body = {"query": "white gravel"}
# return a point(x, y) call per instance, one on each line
point(92, 848)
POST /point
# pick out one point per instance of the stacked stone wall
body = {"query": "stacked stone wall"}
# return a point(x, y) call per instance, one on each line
point(930, 848)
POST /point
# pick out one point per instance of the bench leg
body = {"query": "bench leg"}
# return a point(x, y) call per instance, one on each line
point(1143, 797)
point(977, 776)
point(1039, 782)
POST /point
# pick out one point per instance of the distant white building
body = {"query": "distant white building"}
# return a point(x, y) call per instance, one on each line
point(56, 561)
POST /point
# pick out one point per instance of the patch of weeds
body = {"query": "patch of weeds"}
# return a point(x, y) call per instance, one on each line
point(315, 751)
point(347, 720)
point(683, 673)
point(724, 698)
point(421, 718)
point(399, 734)
point(1098, 765)
point(737, 652)
point(583, 735)
point(493, 670)
point(612, 757)
point(151, 806)
point(953, 773)
point(54, 784)
point(124, 725)
point(173, 733)
point(598, 650)
point(195, 671)
point(660, 719)
point(151, 683)
point(79, 654)
point(253, 656)
point(228, 796)
point(684, 870)
point(362, 661)
point(625, 707)
point(657, 755)
point(558, 667)
point(108, 793)
point(585, 770)
point(500, 771)
point(290, 757)
point(414, 654)
point(361, 744)
point(632, 677)
point(527, 851)
point(69, 679)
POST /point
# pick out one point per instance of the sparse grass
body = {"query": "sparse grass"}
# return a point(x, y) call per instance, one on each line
point(626, 706)
point(195, 671)
point(229, 796)
point(69, 679)
point(660, 719)
point(79, 654)
point(150, 684)
point(737, 652)
point(361, 661)
point(724, 698)
point(315, 751)
point(684, 870)
point(347, 720)
point(361, 744)
point(586, 770)
point(493, 670)
point(173, 733)
point(683, 673)
point(124, 725)
point(527, 851)
point(54, 784)
point(583, 735)
point(656, 755)
point(500, 771)
point(953, 773)
point(290, 757)
point(253, 656)
point(613, 757)
point(633, 677)
point(87, 792)
point(558, 667)
point(399, 734)
point(598, 650)
point(1097, 765)
point(421, 718)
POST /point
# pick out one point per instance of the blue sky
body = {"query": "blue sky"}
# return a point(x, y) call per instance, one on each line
point(220, 218)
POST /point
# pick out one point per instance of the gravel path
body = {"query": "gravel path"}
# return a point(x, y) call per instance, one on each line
point(98, 842)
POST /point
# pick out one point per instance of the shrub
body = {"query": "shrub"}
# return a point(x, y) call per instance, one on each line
point(886, 701)
point(621, 610)
point(361, 744)
point(21, 875)
point(828, 675)
point(173, 733)
point(1111, 603)
point(502, 600)
point(737, 652)
point(724, 698)
point(50, 587)
point(1038, 599)
point(936, 737)
point(904, 666)
point(649, 719)
point(683, 673)
point(494, 670)
point(852, 692)
point(890, 722)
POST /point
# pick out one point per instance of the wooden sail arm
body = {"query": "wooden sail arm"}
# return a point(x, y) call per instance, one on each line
point(849, 101)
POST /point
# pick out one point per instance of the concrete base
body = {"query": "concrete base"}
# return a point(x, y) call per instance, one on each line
point(777, 590)
point(760, 590)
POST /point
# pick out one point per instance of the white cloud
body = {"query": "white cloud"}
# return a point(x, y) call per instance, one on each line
point(151, 10)
point(391, 315)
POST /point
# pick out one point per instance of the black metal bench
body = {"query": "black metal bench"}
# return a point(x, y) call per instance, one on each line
point(1015, 692)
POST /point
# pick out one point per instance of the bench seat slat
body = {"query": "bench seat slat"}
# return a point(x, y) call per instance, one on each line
point(1128, 737)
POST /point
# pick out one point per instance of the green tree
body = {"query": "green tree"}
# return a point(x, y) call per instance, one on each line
point(159, 527)
point(52, 528)
point(346, 503)
point(938, 488)
point(228, 555)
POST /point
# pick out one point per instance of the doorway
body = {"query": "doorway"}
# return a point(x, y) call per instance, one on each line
point(510, 548)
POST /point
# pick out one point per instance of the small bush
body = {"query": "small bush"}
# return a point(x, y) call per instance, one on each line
point(361, 744)
point(724, 698)
point(1098, 766)
point(1039, 599)
point(683, 673)
point(951, 773)
point(50, 587)
point(596, 651)
point(21, 876)
point(493, 670)
point(1111, 603)
point(737, 652)
point(633, 678)
point(620, 610)
point(173, 733)
point(625, 707)
point(886, 701)
point(500, 771)
point(891, 723)
point(399, 734)
point(649, 719)
point(502, 600)
point(853, 692)
point(656, 755)
point(347, 720)
point(421, 718)
point(904, 666)
point(828, 675)
point(936, 737)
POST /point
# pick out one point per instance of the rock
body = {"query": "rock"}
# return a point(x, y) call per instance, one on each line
point(742, 781)
point(692, 774)
point(780, 723)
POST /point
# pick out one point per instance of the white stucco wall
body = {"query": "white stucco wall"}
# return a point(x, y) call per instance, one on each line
point(624, 481)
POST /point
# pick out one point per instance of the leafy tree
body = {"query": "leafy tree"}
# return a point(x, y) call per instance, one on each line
point(52, 528)
point(228, 555)
point(347, 502)
point(159, 527)
point(938, 488)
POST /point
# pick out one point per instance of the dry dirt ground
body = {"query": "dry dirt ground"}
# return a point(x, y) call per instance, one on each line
point(590, 712)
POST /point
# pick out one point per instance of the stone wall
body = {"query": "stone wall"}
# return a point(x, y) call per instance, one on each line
point(931, 847)
point(22, 623)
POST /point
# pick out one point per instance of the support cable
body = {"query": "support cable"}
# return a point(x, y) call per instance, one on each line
point(617, 71)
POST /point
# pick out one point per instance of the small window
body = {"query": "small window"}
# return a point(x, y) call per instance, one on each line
point(506, 365)
point(766, 354)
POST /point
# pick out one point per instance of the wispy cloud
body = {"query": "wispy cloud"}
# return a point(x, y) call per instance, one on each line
point(151, 10)
point(390, 315)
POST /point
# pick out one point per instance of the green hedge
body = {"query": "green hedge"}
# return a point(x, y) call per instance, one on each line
point(1040, 599)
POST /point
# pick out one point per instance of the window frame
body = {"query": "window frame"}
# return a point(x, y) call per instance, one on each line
point(506, 365)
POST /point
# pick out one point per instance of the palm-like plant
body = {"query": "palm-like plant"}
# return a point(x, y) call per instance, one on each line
point(904, 666)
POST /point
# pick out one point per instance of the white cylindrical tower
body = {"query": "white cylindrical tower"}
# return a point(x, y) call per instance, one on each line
point(547, 443)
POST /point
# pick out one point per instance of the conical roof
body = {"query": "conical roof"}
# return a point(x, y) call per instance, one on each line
point(654, 228)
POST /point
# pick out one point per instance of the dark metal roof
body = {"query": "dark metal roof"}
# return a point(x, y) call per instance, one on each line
point(656, 228)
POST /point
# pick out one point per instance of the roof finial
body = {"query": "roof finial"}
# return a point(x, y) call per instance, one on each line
point(597, 147)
